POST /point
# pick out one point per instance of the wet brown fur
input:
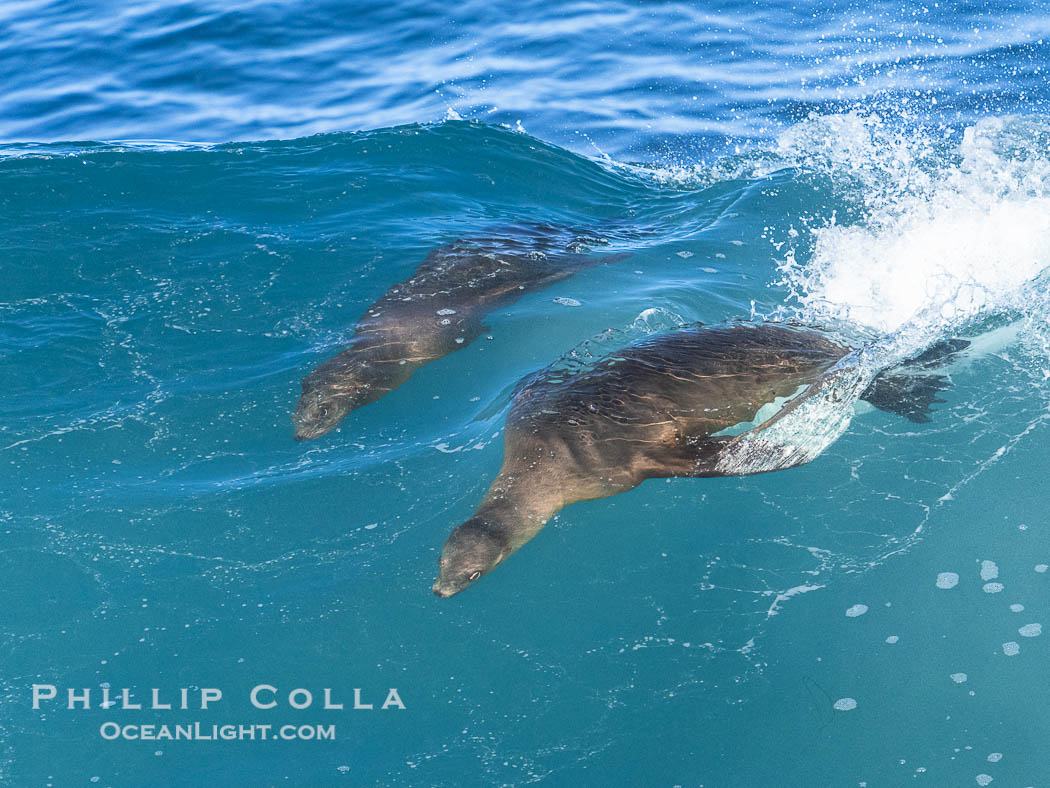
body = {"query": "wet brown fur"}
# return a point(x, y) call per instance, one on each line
point(648, 412)
point(437, 311)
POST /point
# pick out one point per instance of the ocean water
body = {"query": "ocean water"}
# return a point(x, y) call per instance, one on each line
point(200, 199)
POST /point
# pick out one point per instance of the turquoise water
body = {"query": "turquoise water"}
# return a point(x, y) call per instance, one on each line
point(880, 172)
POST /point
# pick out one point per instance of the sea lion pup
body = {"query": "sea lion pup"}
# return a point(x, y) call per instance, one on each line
point(437, 311)
point(651, 411)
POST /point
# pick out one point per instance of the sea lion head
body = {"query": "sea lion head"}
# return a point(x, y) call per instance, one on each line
point(471, 551)
point(326, 400)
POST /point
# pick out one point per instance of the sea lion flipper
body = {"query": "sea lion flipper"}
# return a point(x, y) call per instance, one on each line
point(909, 389)
point(757, 450)
point(908, 395)
point(796, 435)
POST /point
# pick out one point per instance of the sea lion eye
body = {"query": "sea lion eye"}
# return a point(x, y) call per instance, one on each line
point(474, 576)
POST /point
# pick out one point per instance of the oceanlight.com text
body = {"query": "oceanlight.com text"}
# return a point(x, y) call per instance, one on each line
point(195, 731)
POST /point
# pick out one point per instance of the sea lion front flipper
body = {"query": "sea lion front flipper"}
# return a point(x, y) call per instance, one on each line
point(802, 429)
point(756, 450)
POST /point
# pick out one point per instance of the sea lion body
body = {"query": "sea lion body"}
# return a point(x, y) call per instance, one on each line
point(652, 410)
point(437, 311)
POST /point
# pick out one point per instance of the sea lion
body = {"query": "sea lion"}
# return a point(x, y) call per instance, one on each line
point(437, 311)
point(652, 410)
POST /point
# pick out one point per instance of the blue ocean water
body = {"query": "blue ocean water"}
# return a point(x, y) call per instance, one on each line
point(199, 201)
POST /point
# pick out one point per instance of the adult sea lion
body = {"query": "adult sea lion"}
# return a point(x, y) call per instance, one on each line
point(650, 411)
point(437, 311)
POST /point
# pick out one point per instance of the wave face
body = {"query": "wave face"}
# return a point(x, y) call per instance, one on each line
point(162, 302)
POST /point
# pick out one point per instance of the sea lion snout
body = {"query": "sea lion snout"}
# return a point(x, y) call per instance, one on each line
point(471, 551)
point(442, 592)
point(319, 411)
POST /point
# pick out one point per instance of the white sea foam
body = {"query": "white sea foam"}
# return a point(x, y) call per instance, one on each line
point(947, 238)
point(989, 570)
point(949, 232)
